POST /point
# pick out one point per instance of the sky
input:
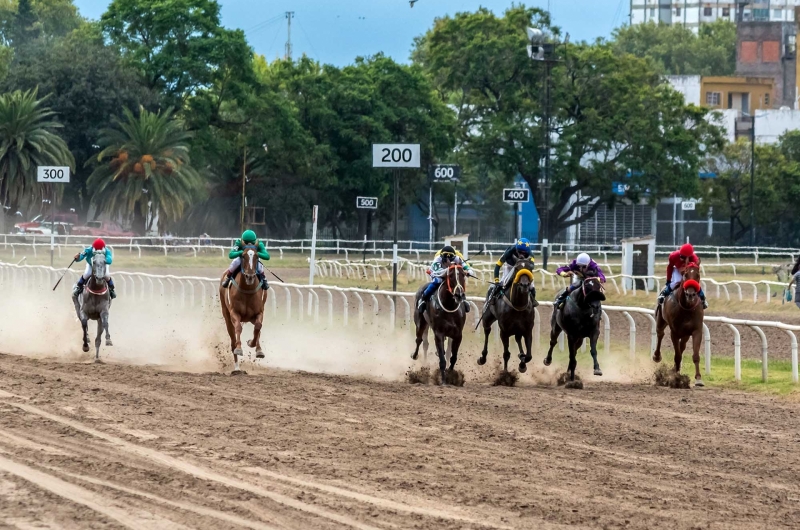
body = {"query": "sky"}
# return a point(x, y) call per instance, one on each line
point(338, 31)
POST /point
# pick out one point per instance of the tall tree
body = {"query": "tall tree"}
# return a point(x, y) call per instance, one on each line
point(27, 139)
point(144, 171)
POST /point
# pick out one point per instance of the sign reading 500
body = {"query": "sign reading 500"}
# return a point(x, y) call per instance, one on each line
point(52, 174)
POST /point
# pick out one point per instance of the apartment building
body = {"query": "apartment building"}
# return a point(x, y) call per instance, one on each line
point(692, 14)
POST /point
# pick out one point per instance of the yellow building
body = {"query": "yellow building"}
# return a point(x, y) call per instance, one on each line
point(746, 94)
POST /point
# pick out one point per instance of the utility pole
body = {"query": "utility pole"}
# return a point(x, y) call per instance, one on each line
point(244, 182)
point(752, 179)
point(289, 17)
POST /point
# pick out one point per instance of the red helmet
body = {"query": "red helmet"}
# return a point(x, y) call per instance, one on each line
point(99, 244)
point(687, 251)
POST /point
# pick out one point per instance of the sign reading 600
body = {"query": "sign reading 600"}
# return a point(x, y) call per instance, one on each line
point(59, 174)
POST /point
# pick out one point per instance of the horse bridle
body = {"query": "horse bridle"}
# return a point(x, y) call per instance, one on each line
point(249, 277)
point(591, 280)
point(680, 298)
point(452, 290)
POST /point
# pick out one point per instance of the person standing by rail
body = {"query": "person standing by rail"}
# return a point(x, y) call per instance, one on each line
point(795, 279)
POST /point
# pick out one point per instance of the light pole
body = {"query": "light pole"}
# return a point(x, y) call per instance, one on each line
point(244, 182)
point(752, 180)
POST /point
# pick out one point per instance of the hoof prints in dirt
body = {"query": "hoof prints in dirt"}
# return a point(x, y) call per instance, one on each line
point(563, 379)
point(504, 378)
point(427, 376)
point(665, 376)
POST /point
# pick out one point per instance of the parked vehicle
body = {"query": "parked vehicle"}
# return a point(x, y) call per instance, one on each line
point(42, 224)
point(101, 229)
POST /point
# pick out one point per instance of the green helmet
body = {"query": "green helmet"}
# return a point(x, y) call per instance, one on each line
point(249, 236)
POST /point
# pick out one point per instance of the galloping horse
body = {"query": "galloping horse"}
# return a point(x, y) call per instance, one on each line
point(243, 301)
point(579, 318)
point(683, 313)
point(445, 315)
point(93, 304)
point(514, 314)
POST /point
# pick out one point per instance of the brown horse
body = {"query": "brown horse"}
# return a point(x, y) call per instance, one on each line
point(243, 301)
point(683, 313)
point(445, 315)
point(514, 314)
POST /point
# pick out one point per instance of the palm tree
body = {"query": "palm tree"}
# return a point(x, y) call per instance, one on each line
point(144, 172)
point(27, 140)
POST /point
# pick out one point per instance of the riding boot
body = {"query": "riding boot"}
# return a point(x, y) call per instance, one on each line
point(111, 290)
point(702, 296)
point(664, 294)
point(78, 289)
point(534, 302)
point(426, 294)
point(263, 278)
point(466, 306)
point(561, 299)
point(227, 281)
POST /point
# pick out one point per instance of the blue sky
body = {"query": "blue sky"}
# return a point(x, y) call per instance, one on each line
point(337, 31)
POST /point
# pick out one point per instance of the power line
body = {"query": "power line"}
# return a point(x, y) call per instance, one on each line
point(264, 24)
point(309, 41)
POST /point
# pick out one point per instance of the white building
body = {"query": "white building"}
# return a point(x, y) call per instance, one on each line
point(693, 13)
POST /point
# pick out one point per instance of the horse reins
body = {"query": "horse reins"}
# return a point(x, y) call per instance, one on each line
point(450, 290)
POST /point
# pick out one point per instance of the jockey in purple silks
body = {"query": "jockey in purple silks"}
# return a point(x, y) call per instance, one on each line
point(583, 265)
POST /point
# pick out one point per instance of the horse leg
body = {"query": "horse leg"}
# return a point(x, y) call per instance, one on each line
point(104, 316)
point(487, 330)
point(236, 340)
point(439, 342)
point(697, 338)
point(422, 331)
point(506, 353)
point(257, 325)
point(593, 349)
point(98, 340)
point(555, 331)
point(85, 326)
point(660, 325)
point(455, 343)
point(676, 344)
point(528, 336)
point(573, 353)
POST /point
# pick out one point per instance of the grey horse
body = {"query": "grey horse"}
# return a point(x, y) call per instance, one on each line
point(93, 304)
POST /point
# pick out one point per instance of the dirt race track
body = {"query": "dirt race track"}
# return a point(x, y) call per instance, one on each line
point(120, 446)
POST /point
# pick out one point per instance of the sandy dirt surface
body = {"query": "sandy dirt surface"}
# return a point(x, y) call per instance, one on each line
point(123, 446)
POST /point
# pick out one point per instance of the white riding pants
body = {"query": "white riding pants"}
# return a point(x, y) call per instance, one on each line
point(676, 279)
point(87, 272)
point(235, 264)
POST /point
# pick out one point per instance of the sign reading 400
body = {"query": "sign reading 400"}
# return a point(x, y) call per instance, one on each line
point(516, 195)
point(52, 174)
point(395, 155)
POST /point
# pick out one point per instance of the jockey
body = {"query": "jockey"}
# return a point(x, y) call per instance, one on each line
point(583, 265)
point(443, 259)
point(248, 238)
point(520, 250)
point(678, 261)
point(98, 246)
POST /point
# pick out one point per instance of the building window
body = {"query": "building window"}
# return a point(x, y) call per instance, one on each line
point(748, 52)
point(713, 98)
point(706, 11)
point(726, 11)
point(761, 15)
point(770, 51)
point(777, 14)
point(766, 100)
point(677, 11)
point(652, 11)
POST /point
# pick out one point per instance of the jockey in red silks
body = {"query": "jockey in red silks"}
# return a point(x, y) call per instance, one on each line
point(678, 261)
point(98, 246)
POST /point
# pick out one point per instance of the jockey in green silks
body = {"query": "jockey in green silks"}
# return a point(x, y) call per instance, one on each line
point(248, 239)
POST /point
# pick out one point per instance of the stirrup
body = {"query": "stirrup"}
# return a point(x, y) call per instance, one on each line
point(112, 293)
point(77, 290)
point(422, 306)
point(705, 304)
point(227, 281)
point(264, 284)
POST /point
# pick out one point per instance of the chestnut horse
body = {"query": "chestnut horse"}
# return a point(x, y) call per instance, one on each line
point(445, 315)
point(514, 314)
point(243, 301)
point(683, 313)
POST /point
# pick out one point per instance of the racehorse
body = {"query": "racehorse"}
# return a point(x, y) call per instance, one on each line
point(243, 301)
point(579, 318)
point(683, 313)
point(94, 303)
point(514, 314)
point(445, 315)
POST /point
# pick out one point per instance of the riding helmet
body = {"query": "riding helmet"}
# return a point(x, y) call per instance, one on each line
point(99, 244)
point(687, 250)
point(249, 236)
point(448, 250)
point(583, 259)
point(523, 245)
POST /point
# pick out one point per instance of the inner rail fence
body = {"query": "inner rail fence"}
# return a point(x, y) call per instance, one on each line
point(202, 293)
point(722, 256)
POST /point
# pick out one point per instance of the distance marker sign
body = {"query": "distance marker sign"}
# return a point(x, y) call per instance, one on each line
point(59, 175)
point(516, 195)
point(444, 172)
point(395, 155)
point(370, 203)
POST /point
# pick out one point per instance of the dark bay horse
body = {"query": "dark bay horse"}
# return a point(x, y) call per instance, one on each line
point(683, 313)
point(515, 316)
point(445, 315)
point(94, 303)
point(243, 301)
point(579, 318)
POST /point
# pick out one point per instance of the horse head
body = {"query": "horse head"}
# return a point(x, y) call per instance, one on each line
point(523, 274)
point(249, 264)
point(99, 267)
point(593, 294)
point(691, 284)
point(456, 282)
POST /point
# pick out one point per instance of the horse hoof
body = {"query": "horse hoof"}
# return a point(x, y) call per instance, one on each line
point(547, 361)
point(238, 351)
point(98, 361)
point(414, 356)
point(481, 360)
point(523, 368)
point(576, 385)
point(656, 357)
point(260, 355)
point(528, 358)
point(598, 371)
point(86, 348)
point(699, 382)
point(238, 372)
point(108, 343)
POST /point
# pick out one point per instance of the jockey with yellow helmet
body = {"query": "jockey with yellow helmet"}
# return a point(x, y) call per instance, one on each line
point(441, 261)
point(86, 254)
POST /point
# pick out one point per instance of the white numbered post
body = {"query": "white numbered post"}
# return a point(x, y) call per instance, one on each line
point(52, 175)
point(395, 155)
